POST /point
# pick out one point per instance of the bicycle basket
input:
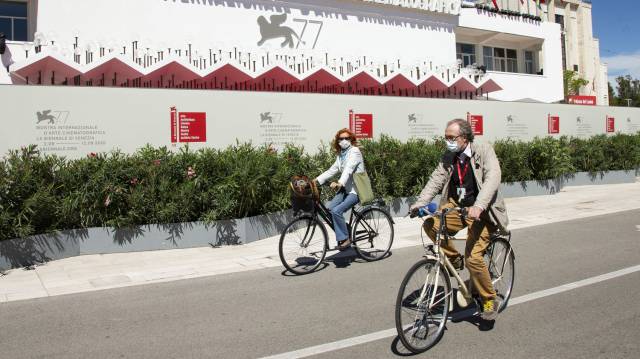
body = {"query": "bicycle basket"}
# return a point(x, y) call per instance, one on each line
point(303, 194)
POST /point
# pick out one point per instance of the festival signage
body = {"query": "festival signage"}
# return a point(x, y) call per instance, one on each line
point(361, 124)
point(476, 122)
point(611, 124)
point(188, 126)
point(582, 100)
point(553, 124)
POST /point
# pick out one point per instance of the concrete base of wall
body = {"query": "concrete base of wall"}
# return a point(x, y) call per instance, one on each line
point(24, 252)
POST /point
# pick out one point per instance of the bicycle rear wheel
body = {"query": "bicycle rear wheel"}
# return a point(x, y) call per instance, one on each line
point(373, 234)
point(422, 305)
point(500, 260)
point(303, 245)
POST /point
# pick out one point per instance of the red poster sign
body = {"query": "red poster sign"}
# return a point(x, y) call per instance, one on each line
point(188, 126)
point(582, 100)
point(554, 124)
point(611, 124)
point(476, 122)
point(361, 124)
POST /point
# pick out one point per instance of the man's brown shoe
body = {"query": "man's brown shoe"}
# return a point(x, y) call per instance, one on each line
point(343, 245)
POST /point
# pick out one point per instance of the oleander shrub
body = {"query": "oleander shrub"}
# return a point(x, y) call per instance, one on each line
point(44, 193)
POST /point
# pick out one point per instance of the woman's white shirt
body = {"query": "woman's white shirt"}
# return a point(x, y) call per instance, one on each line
point(348, 163)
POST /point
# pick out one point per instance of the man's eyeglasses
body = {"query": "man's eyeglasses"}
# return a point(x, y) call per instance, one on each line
point(451, 138)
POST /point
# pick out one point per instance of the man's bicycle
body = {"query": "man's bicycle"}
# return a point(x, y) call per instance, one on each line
point(425, 296)
point(304, 242)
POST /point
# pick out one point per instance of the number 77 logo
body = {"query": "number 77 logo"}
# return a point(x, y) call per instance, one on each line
point(318, 29)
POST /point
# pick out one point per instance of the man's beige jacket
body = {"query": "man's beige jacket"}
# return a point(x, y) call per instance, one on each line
point(486, 169)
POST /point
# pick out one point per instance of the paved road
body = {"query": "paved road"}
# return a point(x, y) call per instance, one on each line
point(261, 313)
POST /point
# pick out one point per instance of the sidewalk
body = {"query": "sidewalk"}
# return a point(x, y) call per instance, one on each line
point(98, 272)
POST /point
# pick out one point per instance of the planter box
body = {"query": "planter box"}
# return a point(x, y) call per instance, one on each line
point(531, 188)
point(24, 252)
point(612, 177)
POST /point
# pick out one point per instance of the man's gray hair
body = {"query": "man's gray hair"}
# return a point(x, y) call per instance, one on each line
point(465, 128)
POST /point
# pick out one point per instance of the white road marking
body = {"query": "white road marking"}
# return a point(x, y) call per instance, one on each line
point(367, 338)
point(638, 227)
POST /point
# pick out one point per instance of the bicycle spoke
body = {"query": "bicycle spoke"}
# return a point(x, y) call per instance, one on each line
point(423, 305)
point(302, 245)
point(373, 234)
point(499, 260)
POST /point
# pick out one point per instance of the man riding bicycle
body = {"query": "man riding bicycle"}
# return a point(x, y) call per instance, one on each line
point(468, 175)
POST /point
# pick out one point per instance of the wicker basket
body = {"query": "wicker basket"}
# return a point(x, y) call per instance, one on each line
point(304, 194)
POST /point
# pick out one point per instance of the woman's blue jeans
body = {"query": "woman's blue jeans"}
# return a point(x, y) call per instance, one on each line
point(341, 203)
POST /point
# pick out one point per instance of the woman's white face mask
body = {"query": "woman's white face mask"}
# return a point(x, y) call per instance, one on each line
point(344, 144)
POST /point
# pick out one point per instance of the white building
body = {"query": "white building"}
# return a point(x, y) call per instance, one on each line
point(440, 47)
point(581, 51)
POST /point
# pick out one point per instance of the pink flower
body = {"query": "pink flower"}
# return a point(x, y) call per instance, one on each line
point(134, 181)
point(107, 201)
point(156, 162)
point(92, 155)
point(191, 172)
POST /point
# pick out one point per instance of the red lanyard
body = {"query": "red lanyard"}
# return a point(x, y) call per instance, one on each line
point(461, 174)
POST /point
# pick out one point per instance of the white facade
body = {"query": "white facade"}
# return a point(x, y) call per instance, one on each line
point(542, 39)
point(384, 39)
point(582, 50)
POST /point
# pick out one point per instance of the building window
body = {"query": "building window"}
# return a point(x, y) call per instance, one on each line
point(529, 63)
point(499, 59)
point(560, 20)
point(13, 20)
point(512, 60)
point(466, 53)
point(487, 55)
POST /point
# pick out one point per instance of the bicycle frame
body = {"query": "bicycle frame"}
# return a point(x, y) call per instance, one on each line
point(438, 255)
point(324, 213)
point(319, 209)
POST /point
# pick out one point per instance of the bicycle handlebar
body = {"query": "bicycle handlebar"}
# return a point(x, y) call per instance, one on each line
point(429, 211)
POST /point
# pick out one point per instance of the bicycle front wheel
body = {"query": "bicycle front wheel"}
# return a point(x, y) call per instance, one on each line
point(500, 259)
point(422, 305)
point(373, 234)
point(303, 245)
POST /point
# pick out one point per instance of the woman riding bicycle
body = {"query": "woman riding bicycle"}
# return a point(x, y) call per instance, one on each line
point(349, 161)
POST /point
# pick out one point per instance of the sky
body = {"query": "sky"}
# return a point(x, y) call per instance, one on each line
point(617, 24)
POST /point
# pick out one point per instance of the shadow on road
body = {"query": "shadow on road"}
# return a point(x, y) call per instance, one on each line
point(339, 260)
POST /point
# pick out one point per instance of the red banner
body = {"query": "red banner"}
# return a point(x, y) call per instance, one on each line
point(611, 124)
point(582, 100)
point(476, 122)
point(554, 124)
point(188, 126)
point(361, 124)
point(174, 125)
point(193, 127)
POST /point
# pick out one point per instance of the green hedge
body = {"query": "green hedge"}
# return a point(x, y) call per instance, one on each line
point(43, 193)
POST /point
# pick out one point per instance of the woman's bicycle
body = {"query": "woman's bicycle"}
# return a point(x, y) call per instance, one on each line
point(304, 242)
point(425, 296)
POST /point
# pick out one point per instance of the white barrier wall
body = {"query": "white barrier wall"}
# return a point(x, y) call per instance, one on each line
point(343, 28)
point(75, 121)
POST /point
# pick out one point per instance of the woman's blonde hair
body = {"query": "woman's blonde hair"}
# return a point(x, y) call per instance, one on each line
point(336, 139)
